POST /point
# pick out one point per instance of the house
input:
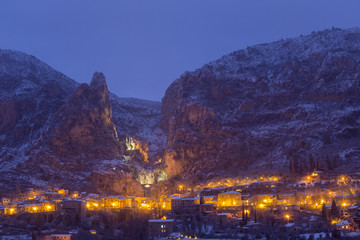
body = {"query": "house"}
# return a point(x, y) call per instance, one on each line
point(207, 208)
point(115, 202)
point(222, 218)
point(160, 227)
point(16, 237)
point(11, 210)
point(93, 205)
point(165, 204)
point(180, 206)
point(262, 186)
point(345, 211)
point(60, 237)
point(229, 199)
point(209, 199)
point(216, 191)
point(53, 195)
point(289, 208)
point(71, 205)
point(2, 210)
point(262, 201)
point(312, 178)
point(5, 201)
point(344, 226)
point(30, 208)
point(242, 188)
point(346, 200)
point(291, 228)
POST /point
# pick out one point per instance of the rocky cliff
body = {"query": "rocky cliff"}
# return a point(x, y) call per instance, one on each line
point(257, 109)
point(54, 130)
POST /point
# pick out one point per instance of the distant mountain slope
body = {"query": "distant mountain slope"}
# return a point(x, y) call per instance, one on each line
point(30, 93)
point(260, 108)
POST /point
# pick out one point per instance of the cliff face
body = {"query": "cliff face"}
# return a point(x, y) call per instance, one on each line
point(257, 109)
point(83, 127)
point(56, 131)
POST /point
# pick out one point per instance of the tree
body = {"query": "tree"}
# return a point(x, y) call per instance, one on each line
point(312, 164)
point(243, 212)
point(336, 234)
point(324, 213)
point(202, 200)
point(292, 168)
point(334, 211)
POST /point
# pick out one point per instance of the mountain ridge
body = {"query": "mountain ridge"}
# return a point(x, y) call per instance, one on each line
point(262, 106)
point(253, 111)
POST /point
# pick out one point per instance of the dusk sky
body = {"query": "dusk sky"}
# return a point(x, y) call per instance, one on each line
point(142, 46)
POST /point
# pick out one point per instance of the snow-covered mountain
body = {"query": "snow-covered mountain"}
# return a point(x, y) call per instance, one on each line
point(54, 130)
point(258, 109)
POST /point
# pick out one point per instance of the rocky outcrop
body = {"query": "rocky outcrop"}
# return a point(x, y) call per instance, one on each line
point(256, 109)
point(83, 127)
point(56, 131)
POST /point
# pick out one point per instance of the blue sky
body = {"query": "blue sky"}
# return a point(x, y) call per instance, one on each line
point(143, 45)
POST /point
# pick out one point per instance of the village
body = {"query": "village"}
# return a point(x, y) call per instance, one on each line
point(313, 206)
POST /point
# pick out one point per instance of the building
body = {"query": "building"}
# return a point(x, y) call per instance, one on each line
point(344, 226)
point(215, 191)
point(117, 202)
point(16, 237)
point(242, 188)
point(5, 201)
point(71, 205)
point(53, 195)
point(262, 186)
point(180, 206)
point(11, 210)
point(347, 200)
point(229, 199)
point(30, 208)
point(160, 227)
point(60, 237)
point(223, 218)
point(210, 199)
point(207, 208)
point(262, 201)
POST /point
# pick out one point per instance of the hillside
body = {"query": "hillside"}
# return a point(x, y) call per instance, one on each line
point(256, 110)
